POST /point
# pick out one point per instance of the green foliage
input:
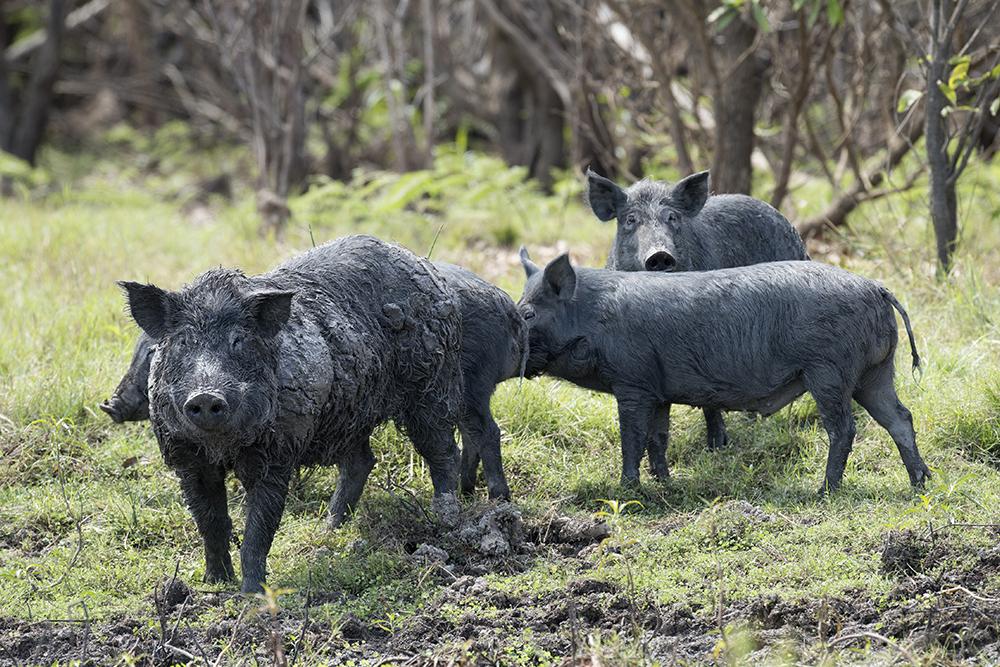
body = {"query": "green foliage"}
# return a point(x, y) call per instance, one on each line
point(21, 175)
point(97, 518)
point(723, 15)
point(960, 81)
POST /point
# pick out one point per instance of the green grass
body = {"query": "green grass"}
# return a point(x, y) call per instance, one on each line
point(90, 515)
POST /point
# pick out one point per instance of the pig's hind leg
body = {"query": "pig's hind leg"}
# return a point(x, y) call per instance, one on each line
point(481, 438)
point(354, 471)
point(659, 439)
point(877, 394)
point(833, 400)
point(436, 444)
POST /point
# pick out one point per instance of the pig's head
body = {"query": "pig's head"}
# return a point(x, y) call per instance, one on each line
point(130, 402)
point(214, 376)
point(652, 216)
point(546, 307)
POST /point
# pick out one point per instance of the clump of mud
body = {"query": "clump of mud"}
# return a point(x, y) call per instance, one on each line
point(903, 553)
point(491, 538)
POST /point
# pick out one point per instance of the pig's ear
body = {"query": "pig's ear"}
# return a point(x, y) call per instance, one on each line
point(690, 193)
point(560, 276)
point(151, 307)
point(605, 198)
point(530, 268)
point(271, 310)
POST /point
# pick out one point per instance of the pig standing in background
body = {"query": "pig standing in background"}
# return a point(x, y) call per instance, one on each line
point(130, 402)
point(493, 349)
point(296, 367)
point(682, 228)
point(752, 338)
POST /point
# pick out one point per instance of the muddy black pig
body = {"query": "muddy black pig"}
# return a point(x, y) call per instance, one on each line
point(751, 338)
point(679, 227)
point(260, 375)
point(493, 348)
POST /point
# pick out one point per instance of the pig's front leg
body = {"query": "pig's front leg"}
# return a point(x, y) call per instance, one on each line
point(636, 411)
point(204, 489)
point(659, 438)
point(265, 503)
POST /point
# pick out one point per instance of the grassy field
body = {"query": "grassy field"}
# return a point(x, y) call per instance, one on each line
point(734, 560)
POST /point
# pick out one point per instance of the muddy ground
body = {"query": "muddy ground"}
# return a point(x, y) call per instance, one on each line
point(937, 603)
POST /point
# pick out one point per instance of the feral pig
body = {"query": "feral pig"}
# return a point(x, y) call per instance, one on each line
point(130, 402)
point(681, 228)
point(494, 344)
point(752, 338)
point(296, 367)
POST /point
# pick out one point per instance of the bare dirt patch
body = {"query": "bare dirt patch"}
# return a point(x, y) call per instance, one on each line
point(941, 601)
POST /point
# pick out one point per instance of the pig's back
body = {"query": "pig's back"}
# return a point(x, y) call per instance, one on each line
point(737, 230)
point(493, 332)
point(759, 324)
point(386, 321)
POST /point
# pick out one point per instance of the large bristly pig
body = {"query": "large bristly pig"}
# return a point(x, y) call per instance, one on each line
point(494, 345)
point(260, 375)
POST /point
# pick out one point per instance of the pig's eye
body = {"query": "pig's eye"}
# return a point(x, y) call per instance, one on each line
point(630, 220)
point(671, 217)
point(236, 342)
point(664, 201)
point(528, 313)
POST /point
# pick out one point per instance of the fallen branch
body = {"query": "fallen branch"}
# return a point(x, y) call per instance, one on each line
point(864, 189)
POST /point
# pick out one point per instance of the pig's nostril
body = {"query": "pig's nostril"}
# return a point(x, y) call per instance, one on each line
point(660, 261)
point(206, 410)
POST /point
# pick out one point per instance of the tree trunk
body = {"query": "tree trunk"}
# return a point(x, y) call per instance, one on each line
point(942, 184)
point(38, 94)
point(6, 101)
point(532, 118)
point(735, 108)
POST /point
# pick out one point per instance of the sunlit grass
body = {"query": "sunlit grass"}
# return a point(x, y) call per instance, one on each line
point(66, 472)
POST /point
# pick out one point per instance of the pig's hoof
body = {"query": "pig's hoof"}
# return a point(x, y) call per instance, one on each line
point(919, 481)
point(827, 489)
point(335, 521)
point(251, 587)
point(500, 495)
point(447, 509)
point(718, 440)
point(219, 576)
point(631, 482)
point(111, 411)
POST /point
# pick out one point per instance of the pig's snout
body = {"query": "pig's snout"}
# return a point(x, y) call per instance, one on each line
point(206, 410)
point(113, 408)
point(661, 260)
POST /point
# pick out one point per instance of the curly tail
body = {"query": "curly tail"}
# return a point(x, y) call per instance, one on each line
point(906, 321)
